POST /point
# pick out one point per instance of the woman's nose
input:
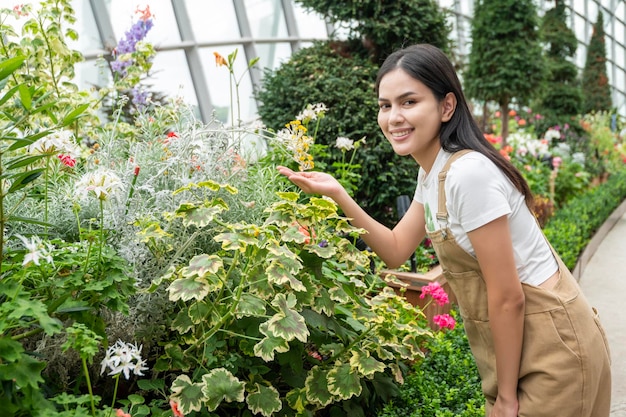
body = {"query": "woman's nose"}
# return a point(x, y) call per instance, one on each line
point(395, 116)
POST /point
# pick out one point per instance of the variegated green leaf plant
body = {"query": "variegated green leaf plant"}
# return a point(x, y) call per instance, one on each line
point(286, 318)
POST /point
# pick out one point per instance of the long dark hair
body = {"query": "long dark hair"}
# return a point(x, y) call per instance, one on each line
point(429, 65)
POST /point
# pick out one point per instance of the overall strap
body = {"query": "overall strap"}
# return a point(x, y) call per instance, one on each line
point(442, 211)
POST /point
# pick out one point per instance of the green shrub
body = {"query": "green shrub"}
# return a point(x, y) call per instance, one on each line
point(445, 383)
point(573, 225)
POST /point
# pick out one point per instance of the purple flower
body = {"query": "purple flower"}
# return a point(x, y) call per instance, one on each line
point(127, 45)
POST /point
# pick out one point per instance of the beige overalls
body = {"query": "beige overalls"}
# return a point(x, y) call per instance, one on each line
point(565, 364)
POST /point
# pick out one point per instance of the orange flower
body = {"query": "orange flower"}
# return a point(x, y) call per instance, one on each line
point(219, 60)
point(145, 14)
point(497, 114)
point(521, 122)
point(512, 113)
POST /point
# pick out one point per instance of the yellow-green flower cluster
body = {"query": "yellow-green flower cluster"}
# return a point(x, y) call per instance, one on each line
point(299, 143)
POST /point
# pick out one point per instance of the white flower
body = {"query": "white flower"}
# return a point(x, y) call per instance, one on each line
point(103, 183)
point(57, 142)
point(123, 358)
point(344, 144)
point(552, 134)
point(36, 250)
point(312, 112)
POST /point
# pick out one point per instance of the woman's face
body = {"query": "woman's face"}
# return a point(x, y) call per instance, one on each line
point(410, 116)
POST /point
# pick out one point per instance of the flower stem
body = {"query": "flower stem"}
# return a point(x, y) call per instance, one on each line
point(86, 371)
point(117, 382)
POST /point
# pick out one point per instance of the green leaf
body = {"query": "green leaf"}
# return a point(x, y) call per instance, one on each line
point(151, 384)
point(24, 160)
point(182, 323)
point(201, 265)
point(296, 398)
point(344, 381)
point(8, 94)
point(316, 385)
point(25, 372)
point(287, 323)
point(250, 306)
point(365, 364)
point(220, 385)
point(189, 288)
point(14, 218)
point(235, 241)
point(197, 216)
point(264, 400)
point(8, 66)
point(280, 274)
point(187, 394)
point(73, 115)
point(37, 310)
point(22, 180)
point(25, 97)
point(269, 344)
point(10, 350)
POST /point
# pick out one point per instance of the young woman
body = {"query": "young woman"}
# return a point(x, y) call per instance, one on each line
point(539, 346)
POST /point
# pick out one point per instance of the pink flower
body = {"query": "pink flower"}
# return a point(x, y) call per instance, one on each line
point(444, 321)
point(437, 292)
point(121, 413)
point(67, 160)
point(557, 161)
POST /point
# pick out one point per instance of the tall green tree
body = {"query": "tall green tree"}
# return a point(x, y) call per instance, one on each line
point(506, 60)
point(385, 26)
point(562, 95)
point(595, 84)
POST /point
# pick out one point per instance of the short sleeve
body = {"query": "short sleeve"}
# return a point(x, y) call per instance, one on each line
point(477, 192)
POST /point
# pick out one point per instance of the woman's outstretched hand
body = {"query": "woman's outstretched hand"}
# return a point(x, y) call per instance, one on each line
point(313, 182)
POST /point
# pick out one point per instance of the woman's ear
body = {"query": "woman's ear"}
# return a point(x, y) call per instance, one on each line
point(448, 106)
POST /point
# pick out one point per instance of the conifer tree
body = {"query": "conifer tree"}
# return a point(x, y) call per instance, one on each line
point(562, 95)
point(595, 84)
point(506, 61)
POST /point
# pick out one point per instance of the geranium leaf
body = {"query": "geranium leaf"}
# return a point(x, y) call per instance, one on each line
point(37, 310)
point(201, 265)
point(199, 216)
point(269, 344)
point(182, 323)
point(25, 372)
point(264, 400)
point(325, 252)
point(235, 241)
point(187, 394)
point(296, 398)
point(220, 385)
point(250, 305)
point(280, 274)
point(294, 234)
point(323, 303)
point(365, 364)
point(10, 350)
point(316, 385)
point(344, 382)
point(288, 324)
point(188, 288)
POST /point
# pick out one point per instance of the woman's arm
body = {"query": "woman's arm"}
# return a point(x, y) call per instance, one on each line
point(395, 246)
point(494, 249)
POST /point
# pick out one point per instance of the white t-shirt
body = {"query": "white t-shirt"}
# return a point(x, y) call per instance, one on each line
point(477, 192)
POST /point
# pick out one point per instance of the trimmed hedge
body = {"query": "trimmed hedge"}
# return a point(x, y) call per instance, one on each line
point(573, 225)
point(445, 384)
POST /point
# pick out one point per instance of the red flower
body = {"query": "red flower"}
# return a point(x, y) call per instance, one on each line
point(136, 172)
point(175, 409)
point(145, 14)
point(67, 160)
